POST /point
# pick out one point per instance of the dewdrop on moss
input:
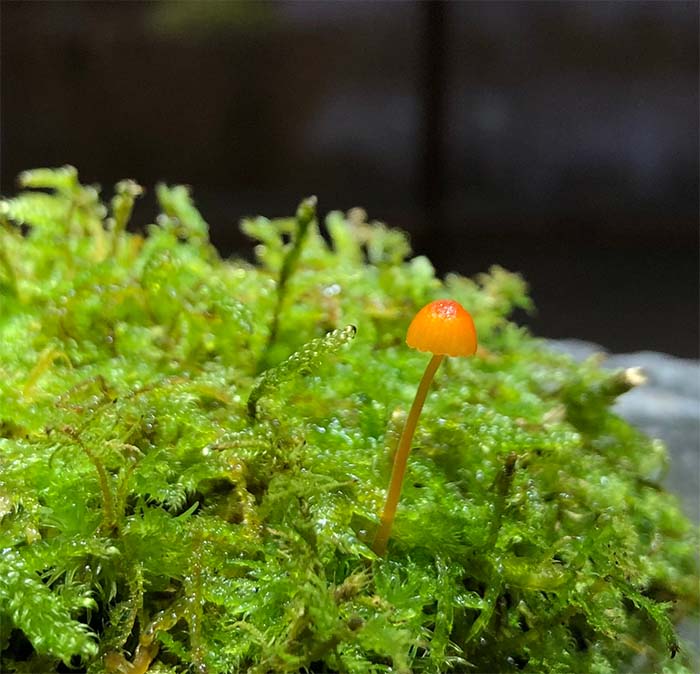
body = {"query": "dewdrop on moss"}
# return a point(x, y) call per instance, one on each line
point(443, 328)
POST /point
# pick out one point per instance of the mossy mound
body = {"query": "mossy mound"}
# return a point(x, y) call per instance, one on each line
point(195, 453)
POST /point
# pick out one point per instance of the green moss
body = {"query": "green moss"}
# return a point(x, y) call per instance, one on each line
point(195, 453)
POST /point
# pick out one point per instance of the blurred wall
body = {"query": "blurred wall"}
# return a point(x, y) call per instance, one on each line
point(559, 139)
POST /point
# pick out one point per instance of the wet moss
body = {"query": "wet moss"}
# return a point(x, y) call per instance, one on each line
point(195, 453)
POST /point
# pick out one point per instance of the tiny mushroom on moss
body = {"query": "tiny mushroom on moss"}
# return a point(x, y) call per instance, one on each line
point(443, 328)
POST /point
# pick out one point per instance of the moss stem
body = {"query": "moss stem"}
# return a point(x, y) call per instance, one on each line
point(401, 458)
point(109, 514)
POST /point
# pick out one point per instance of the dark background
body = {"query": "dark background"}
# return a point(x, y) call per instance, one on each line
point(558, 139)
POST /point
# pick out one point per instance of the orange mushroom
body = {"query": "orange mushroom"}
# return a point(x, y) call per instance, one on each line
point(443, 328)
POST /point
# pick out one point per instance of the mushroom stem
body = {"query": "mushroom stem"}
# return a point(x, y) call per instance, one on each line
point(401, 457)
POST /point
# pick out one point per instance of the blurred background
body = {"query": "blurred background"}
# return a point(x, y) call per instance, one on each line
point(558, 139)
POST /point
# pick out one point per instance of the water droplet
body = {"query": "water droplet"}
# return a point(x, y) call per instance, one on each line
point(331, 290)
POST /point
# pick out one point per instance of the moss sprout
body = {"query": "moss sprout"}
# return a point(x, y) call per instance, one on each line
point(194, 453)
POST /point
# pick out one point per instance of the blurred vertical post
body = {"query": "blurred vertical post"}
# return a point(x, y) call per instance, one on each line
point(433, 85)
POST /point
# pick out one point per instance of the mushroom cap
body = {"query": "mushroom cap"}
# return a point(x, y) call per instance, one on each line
point(443, 327)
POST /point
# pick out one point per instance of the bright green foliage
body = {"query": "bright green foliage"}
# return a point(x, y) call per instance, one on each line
point(195, 453)
point(300, 361)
